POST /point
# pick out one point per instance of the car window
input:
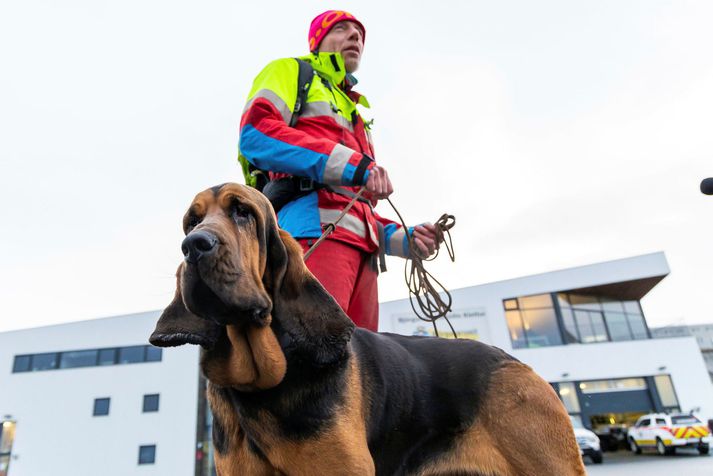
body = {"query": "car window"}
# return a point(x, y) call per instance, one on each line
point(684, 420)
point(660, 421)
point(645, 422)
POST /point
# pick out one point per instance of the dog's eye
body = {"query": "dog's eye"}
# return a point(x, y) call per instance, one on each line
point(193, 221)
point(238, 212)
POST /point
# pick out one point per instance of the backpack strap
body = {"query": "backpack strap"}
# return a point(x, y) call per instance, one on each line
point(304, 81)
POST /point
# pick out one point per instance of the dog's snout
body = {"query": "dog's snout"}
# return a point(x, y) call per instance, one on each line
point(198, 244)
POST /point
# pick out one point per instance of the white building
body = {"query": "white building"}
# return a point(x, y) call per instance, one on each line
point(582, 329)
point(54, 386)
point(703, 334)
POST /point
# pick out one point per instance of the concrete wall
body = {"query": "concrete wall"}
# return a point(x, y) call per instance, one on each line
point(56, 432)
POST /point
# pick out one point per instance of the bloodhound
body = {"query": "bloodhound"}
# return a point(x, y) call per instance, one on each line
point(295, 389)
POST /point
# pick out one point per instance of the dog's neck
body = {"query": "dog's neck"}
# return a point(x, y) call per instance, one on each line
point(248, 358)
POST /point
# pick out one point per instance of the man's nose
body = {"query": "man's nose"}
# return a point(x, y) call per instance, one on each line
point(198, 244)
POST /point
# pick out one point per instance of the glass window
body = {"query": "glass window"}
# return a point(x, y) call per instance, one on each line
point(584, 302)
point(576, 421)
point(541, 327)
point(584, 324)
point(568, 394)
point(664, 385)
point(79, 358)
point(517, 334)
point(131, 355)
point(153, 354)
point(563, 300)
point(645, 422)
point(570, 328)
point(151, 403)
point(101, 406)
point(613, 385)
point(535, 302)
point(618, 326)
point(510, 304)
point(600, 330)
point(44, 361)
point(660, 421)
point(611, 305)
point(107, 356)
point(22, 363)
point(7, 436)
point(638, 327)
point(147, 454)
point(632, 307)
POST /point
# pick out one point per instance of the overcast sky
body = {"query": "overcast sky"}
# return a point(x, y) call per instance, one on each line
point(560, 133)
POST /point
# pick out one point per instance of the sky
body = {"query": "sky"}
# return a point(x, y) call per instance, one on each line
point(559, 133)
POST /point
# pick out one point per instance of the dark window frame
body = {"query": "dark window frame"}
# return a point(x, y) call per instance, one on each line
point(58, 356)
point(102, 400)
point(147, 458)
point(148, 398)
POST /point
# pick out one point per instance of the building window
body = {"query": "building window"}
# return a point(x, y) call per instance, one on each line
point(667, 394)
point(147, 454)
point(614, 385)
point(107, 356)
point(7, 437)
point(533, 322)
point(101, 406)
point(44, 361)
point(568, 395)
point(86, 358)
point(79, 358)
point(151, 403)
point(22, 363)
point(132, 355)
point(153, 354)
point(589, 319)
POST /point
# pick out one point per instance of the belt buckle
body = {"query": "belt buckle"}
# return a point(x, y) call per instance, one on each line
point(306, 184)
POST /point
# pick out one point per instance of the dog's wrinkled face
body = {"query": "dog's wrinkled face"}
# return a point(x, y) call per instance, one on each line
point(221, 278)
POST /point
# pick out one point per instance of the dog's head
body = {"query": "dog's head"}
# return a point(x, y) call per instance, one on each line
point(241, 275)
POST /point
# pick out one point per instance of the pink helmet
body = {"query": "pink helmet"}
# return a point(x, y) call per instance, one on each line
point(324, 22)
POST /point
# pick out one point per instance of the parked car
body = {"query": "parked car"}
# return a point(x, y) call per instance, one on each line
point(588, 442)
point(665, 433)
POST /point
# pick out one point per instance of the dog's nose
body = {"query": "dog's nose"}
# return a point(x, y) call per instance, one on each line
point(197, 245)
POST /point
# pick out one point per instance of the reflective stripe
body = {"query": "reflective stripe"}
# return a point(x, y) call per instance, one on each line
point(396, 244)
point(374, 237)
point(323, 108)
point(275, 100)
point(336, 163)
point(348, 222)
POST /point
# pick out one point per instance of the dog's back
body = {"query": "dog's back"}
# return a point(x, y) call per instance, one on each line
point(432, 399)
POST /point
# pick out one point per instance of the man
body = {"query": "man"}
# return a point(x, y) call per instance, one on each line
point(330, 155)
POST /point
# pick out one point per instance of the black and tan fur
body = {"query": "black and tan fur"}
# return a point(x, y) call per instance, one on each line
point(295, 389)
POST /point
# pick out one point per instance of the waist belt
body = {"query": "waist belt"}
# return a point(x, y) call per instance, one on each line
point(282, 191)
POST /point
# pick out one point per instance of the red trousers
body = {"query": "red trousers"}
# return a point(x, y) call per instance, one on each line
point(347, 274)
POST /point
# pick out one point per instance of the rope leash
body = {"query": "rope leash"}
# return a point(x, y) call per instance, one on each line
point(418, 280)
point(333, 225)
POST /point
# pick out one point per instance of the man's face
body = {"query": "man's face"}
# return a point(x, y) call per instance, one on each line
point(346, 38)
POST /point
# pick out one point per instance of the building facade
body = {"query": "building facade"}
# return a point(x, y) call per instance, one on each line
point(93, 397)
point(703, 334)
point(583, 330)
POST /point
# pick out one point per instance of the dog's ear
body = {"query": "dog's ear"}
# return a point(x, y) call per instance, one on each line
point(309, 322)
point(178, 326)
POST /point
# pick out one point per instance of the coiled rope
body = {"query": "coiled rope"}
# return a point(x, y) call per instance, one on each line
point(419, 281)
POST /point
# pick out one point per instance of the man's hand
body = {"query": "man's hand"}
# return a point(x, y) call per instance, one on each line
point(427, 239)
point(378, 185)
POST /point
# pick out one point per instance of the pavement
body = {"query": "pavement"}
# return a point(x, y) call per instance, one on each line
point(650, 464)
